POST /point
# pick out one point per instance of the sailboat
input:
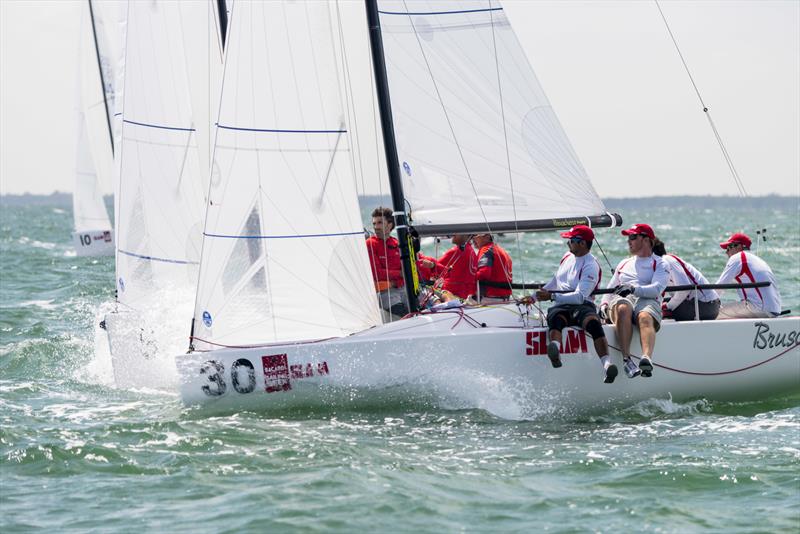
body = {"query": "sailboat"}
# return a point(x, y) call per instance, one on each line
point(93, 235)
point(172, 60)
point(285, 312)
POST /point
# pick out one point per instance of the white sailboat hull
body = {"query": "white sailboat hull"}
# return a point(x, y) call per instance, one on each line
point(448, 356)
point(94, 242)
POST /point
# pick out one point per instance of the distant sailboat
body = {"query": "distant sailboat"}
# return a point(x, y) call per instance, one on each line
point(93, 235)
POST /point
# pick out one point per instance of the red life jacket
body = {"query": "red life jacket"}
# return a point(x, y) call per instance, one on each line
point(494, 265)
point(458, 267)
point(384, 259)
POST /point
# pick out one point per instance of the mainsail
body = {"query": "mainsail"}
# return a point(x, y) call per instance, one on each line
point(478, 142)
point(283, 246)
point(161, 186)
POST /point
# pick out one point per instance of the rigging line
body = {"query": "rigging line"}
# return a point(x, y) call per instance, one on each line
point(449, 122)
point(505, 139)
point(604, 254)
point(725, 154)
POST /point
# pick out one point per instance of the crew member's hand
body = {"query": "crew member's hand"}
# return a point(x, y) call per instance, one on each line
point(428, 264)
point(624, 290)
point(543, 294)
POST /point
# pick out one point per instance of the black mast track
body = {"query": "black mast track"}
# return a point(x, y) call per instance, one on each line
point(223, 20)
point(392, 161)
point(102, 80)
point(536, 225)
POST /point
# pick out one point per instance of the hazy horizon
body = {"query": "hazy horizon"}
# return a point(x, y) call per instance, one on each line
point(608, 67)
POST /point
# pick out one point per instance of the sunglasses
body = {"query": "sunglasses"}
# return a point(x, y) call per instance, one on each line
point(733, 245)
point(575, 239)
point(634, 237)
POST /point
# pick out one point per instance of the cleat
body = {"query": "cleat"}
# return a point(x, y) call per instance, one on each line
point(631, 369)
point(553, 354)
point(646, 366)
point(611, 373)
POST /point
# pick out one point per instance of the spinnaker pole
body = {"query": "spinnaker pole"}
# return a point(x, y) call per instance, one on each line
point(102, 79)
point(407, 255)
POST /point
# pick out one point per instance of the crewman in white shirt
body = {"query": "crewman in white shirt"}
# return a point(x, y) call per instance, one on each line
point(639, 282)
point(745, 267)
point(571, 288)
point(681, 306)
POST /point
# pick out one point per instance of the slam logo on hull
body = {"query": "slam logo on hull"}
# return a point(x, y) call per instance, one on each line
point(572, 342)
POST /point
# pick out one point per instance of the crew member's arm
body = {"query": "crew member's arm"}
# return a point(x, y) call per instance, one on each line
point(655, 288)
point(586, 284)
point(485, 264)
point(731, 270)
point(614, 282)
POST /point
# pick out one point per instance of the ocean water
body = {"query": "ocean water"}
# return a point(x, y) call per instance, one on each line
point(78, 454)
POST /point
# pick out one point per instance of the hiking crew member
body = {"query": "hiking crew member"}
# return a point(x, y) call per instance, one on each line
point(384, 259)
point(458, 267)
point(681, 306)
point(494, 265)
point(745, 267)
point(639, 282)
point(577, 277)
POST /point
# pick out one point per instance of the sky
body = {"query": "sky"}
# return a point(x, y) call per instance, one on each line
point(609, 68)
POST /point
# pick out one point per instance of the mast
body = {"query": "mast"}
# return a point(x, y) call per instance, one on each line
point(392, 161)
point(223, 20)
point(102, 80)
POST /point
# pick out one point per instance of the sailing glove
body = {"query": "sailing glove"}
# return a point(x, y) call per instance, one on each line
point(624, 290)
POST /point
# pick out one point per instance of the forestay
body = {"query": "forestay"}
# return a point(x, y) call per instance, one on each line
point(283, 248)
point(161, 189)
point(478, 141)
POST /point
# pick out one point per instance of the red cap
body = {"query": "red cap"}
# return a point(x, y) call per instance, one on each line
point(582, 231)
point(640, 228)
point(741, 239)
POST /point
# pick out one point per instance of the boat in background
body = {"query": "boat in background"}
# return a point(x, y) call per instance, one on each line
point(94, 169)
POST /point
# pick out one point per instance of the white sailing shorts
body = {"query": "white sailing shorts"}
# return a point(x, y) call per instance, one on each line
point(639, 304)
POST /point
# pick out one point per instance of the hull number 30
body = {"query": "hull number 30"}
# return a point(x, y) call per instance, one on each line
point(275, 369)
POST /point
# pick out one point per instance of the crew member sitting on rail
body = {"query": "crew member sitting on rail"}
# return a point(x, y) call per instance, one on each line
point(494, 266)
point(384, 259)
point(639, 282)
point(681, 306)
point(745, 267)
point(577, 277)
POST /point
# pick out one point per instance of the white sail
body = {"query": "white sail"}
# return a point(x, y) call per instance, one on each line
point(283, 248)
point(94, 158)
point(477, 139)
point(161, 188)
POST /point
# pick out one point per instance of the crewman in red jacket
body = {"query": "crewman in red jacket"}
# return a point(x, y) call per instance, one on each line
point(458, 266)
point(494, 266)
point(384, 258)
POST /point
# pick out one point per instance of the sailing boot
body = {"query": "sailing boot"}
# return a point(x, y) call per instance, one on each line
point(610, 373)
point(646, 366)
point(554, 354)
point(631, 369)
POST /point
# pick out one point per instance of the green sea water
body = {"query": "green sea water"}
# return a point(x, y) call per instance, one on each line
point(79, 455)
